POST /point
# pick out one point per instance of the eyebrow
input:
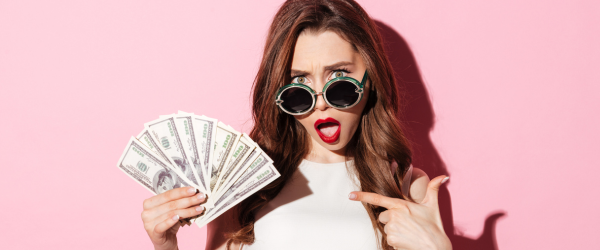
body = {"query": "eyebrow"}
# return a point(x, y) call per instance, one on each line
point(296, 72)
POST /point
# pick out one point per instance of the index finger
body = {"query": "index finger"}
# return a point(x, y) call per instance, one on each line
point(171, 195)
point(375, 199)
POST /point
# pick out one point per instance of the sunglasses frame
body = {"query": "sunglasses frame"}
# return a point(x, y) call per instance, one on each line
point(359, 90)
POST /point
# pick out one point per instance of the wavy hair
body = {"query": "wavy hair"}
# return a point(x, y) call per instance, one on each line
point(379, 138)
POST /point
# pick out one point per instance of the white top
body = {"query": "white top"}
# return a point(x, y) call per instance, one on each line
point(313, 211)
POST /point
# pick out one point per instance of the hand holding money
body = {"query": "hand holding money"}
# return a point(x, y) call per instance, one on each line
point(162, 213)
point(197, 167)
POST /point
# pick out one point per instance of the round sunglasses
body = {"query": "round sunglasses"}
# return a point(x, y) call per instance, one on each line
point(340, 92)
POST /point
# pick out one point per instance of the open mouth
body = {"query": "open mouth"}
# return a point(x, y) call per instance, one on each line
point(328, 129)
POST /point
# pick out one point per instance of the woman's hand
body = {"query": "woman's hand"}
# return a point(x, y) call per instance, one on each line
point(162, 213)
point(410, 225)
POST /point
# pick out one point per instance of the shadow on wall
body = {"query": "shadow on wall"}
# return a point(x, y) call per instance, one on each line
point(418, 117)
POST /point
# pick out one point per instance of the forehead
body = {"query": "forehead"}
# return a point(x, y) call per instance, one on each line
point(319, 49)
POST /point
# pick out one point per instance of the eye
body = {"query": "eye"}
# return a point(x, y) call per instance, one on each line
point(299, 79)
point(338, 73)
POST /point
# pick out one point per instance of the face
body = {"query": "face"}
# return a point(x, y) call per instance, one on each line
point(165, 184)
point(318, 58)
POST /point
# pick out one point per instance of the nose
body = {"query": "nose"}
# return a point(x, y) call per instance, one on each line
point(321, 104)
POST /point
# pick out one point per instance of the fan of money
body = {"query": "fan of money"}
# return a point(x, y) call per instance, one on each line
point(185, 149)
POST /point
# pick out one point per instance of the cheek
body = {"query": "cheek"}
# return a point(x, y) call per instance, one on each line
point(307, 123)
point(350, 125)
point(352, 117)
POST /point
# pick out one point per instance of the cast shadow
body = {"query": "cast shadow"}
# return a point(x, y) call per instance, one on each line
point(297, 188)
point(419, 119)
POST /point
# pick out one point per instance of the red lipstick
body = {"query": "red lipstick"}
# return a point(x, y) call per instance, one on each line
point(328, 125)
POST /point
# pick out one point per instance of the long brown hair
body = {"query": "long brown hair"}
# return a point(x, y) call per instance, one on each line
point(379, 139)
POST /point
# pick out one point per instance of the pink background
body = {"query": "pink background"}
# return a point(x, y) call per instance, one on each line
point(504, 98)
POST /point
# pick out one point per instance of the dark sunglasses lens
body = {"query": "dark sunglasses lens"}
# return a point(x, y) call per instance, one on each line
point(296, 99)
point(342, 93)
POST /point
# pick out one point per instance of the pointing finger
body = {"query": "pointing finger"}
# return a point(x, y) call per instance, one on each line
point(376, 199)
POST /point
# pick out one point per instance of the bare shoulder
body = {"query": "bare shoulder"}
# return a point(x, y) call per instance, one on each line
point(418, 184)
point(218, 228)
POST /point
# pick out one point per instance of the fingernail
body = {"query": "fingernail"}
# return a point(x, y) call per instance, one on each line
point(199, 208)
point(191, 191)
point(201, 196)
point(352, 196)
point(445, 179)
point(176, 217)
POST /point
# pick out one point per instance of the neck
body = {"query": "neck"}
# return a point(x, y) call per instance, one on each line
point(320, 154)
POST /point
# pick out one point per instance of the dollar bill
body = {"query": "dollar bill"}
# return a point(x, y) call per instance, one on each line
point(256, 177)
point(224, 141)
point(237, 172)
point(185, 149)
point(255, 166)
point(165, 133)
point(148, 168)
point(205, 142)
point(145, 138)
point(183, 123)
point(241, 151)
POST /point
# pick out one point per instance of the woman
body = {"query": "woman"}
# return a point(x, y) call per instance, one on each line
point(325, 145)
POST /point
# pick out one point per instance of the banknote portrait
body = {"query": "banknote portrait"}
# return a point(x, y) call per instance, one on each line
point(163, 181)
point(184, 166)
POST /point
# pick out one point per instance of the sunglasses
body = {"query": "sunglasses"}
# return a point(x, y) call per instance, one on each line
point(340, 92)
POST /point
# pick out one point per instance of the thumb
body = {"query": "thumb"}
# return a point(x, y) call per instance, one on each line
point(433, 188)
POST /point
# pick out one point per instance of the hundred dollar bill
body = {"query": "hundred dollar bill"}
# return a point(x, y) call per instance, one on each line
point(259, 162)
point(205, 141)
point(145, 138)
point(241, 151)
point(165, 132)
point(148, 169)
point(183, 123)
point(224, 141)
point(257, 177)
point(252, 168)
point(237, 172)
